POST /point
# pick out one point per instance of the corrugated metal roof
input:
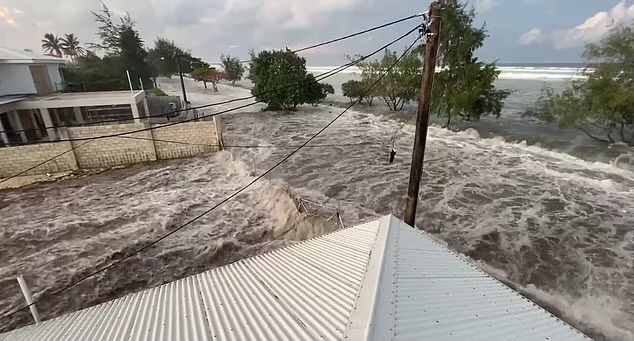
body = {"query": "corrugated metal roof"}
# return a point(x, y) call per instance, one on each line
point(381, 280)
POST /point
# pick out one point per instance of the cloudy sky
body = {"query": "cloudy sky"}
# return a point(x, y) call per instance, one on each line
point(520, 30)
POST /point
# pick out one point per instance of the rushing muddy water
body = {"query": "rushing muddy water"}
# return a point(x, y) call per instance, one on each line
point(556, 227)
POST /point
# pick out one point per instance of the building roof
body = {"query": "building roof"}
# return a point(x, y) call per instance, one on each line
point(12, 56)
point(81, 99)
point(382, 280)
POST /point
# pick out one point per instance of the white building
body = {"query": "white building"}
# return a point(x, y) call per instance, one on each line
point(32, 107)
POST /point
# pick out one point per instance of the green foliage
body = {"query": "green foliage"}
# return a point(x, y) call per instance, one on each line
point(52, 45)
point(233, 68)
point(70, 46)
point(465, 85)
point(124, 51)
point(205, 74)
point(109, 30)
point(92, 73)
point(601, 106)
point(163, 58)
point(353, 90)
point(314, 92)
point(133, 56)
point(399, 86)
point(280, 79)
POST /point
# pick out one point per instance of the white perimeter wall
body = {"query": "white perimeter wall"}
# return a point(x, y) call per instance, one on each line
point(16, 79)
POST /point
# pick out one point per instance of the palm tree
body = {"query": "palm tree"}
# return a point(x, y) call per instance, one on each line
point(51, 45)
point(70, 46)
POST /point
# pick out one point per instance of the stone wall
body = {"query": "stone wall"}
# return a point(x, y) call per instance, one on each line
point(162, 142)
point(185, 139)
point(14, 160)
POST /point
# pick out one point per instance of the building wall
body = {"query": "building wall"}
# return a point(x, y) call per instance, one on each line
point(20, 158)
point(143, 146)
point(55, 75)
point(194, 137)
point(101, 153)
point(16, 79)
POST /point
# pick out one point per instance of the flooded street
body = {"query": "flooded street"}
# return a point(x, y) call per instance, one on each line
point(558, 228)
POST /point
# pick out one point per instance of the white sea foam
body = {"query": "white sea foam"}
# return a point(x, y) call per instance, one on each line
point(528, 73)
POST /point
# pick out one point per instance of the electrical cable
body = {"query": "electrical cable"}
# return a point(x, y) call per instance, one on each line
point(355, 34)
point(236, 193)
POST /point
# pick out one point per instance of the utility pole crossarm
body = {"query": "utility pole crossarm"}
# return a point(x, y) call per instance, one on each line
point(422, 120)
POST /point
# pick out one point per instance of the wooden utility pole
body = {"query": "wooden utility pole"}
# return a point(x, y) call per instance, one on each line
point(180, 74)
point(422, 120)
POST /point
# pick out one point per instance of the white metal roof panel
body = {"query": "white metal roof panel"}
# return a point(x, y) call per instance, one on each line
point(430, 293)
point(381, 280)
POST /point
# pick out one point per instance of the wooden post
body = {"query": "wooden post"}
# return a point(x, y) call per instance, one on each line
point(422, 120)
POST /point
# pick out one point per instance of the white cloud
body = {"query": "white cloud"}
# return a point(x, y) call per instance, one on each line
point(534, 36)
point(596, 27)
point(592, 30)
point(484, 5)
point(286, 14)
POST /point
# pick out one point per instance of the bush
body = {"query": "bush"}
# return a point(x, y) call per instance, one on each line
point(353, 90)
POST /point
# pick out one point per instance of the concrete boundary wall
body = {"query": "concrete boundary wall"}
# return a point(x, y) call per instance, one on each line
point(169, 142)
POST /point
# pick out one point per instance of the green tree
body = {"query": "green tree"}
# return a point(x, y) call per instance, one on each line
point(70, 46)
point(370, 73)
point(133, 57)
point(109, 31)
point(602, 105)
point(92, 73)
point(314, 92)
point(353, 90)
point(233, 68)
point(52, 45)
point(203, 74)
point(163, 57)
point(401, 84)
point(278, 79)
point(124, 51)
point(465, 86)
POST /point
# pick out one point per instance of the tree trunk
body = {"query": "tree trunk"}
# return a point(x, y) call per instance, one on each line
point(205, 83)
point(370, 101)
point(623, 131)
point(402, 104)
point(387, 101)
point(233, 82)
point(448, 119)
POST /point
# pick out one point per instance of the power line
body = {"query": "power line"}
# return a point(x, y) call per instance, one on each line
point(353, 34)
point(141, 249)
point(42, 163)
point(318, 78)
